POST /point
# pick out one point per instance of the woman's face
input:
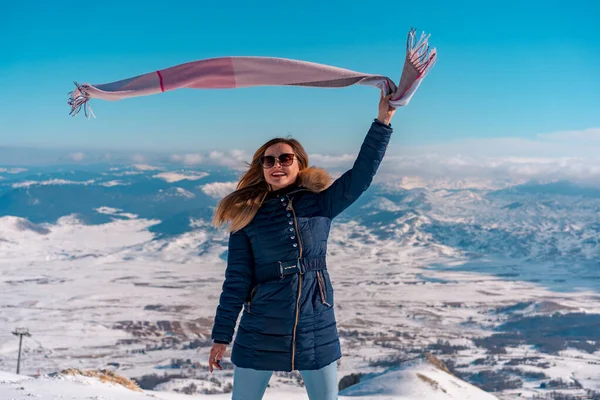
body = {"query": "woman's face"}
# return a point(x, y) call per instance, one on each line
point(280, 175)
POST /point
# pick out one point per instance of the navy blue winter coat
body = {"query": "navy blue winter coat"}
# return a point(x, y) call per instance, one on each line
point(276, 270)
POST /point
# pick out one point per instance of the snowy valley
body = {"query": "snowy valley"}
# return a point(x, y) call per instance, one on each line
point(118, 268)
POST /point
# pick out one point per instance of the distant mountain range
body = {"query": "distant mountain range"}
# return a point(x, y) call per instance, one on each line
point(555, 222)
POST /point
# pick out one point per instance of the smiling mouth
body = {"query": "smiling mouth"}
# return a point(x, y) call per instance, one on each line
point(278, 174)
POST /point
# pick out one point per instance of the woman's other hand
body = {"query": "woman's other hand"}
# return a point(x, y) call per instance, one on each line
point(216, 354)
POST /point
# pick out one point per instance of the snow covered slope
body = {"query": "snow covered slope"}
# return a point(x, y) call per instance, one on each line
point(413, 381)
point(417, 379)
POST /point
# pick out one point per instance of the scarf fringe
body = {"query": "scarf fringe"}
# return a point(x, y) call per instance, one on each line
point(78, 99)
point(419, 60)
point(418, 53)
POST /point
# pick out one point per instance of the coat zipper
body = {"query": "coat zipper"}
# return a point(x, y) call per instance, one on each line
point(291, 208)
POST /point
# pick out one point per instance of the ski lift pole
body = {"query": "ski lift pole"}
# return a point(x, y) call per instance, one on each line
point(20, 332)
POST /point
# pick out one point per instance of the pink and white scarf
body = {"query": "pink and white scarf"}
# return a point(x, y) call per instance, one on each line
point(237, 72)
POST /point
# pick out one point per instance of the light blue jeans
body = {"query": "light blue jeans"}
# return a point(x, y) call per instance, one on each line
point(250, 384)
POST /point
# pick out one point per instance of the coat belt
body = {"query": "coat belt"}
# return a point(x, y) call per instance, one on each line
point(279, 269)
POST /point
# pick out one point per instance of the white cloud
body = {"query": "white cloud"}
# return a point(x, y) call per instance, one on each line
point(79, 156)
point(324, 160)
point(185, 193)
point(13, 170)
point(176, 176)
point(238, 153)
point(462, 171)
point(487, 162)
point(482, 163)
point(107, 210)
point(51, 182)
point(592, 134)
point(146, 167)
point(113, 183)
point(66, 182)
point(234, 159)
point(138, 158)
point(582, 143)
point(127, 173)
point(187, 159)
point(218, 190)
point(114, 211)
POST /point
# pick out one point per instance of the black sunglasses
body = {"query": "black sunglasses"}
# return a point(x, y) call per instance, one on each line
point(285, 160)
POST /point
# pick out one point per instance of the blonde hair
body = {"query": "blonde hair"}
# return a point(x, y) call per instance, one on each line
point(240, 207)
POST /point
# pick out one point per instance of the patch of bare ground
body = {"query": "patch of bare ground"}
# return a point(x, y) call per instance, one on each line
point(105, 376)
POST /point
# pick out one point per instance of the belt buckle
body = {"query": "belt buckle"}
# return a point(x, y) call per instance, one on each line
point(285, 270)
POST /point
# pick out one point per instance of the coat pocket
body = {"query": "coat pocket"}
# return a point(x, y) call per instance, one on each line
point(252, 294)
point(322, 289)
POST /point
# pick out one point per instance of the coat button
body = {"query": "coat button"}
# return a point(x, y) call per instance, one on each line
point(291, 222)
point(289, 215)
point(284, 204)
point(291, 229)
point(282, 199)
point(292, 237)
point(295, 245)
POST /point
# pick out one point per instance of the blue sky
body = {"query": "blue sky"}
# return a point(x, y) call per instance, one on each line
point(513, 69)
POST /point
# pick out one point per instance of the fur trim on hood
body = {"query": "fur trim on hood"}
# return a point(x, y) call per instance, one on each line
point(314, 179)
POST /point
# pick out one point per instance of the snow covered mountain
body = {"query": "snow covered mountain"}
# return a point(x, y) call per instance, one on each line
point(557, 222)
point(118, 267)
point(415, 380)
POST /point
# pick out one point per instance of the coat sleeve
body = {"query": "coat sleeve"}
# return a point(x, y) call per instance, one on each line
point(348, 187)
point(236, 288)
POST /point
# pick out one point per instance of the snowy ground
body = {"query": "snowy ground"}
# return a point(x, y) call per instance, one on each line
point(97, 296)
point(415, 381)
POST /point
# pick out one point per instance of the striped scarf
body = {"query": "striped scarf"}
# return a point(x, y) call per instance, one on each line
point(237, 72)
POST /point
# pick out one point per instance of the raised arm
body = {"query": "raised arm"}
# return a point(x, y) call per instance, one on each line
point(351, 185)
point(238, 280)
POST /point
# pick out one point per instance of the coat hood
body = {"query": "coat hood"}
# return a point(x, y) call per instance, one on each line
point(314, 179)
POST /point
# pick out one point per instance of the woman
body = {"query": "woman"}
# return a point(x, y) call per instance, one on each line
point(280, 217)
